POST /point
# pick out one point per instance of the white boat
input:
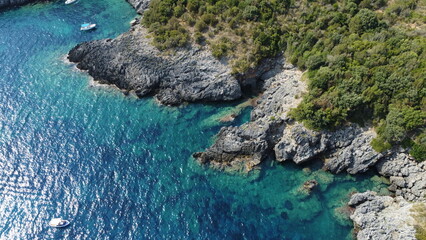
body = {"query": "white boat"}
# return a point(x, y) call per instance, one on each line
point(87, 26)
point(58, 223)
point(70, 1)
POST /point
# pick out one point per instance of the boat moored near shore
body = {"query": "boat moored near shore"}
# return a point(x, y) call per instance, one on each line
point(87, 26)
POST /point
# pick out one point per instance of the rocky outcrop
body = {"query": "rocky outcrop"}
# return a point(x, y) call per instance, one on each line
point(347, 149)
point(250, 143)
point(188, 74)
point(241, 148)
point(139, 5)
point(130, 62)
point(12, 3)
point(271, 132)
point(407, 177)
point(382, 217)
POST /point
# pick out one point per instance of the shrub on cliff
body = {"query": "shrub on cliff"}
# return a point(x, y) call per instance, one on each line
point(418, 150)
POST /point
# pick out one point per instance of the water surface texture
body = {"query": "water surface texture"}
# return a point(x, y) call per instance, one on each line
point(120, 168)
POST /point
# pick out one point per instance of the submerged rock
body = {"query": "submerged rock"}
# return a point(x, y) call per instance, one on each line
point(310, 184)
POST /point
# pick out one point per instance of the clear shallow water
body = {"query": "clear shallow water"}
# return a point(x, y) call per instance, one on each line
point(119, 167)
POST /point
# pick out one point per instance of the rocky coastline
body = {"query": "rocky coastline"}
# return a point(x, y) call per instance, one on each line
point(192, 74)
point(131, 63)
point(271, 133)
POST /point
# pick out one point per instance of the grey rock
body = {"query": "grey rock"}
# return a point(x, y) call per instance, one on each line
point(253, 141)
point(235, 144)
point(139, 5)
point(347, 149)
point(407, 177)
point(382, 217)
point(299, 144)
point(359, 198)
point(398, 181)
point(131, 62)
point(356, 155)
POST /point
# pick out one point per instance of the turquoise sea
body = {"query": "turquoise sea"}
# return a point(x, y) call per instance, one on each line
point(119, 167)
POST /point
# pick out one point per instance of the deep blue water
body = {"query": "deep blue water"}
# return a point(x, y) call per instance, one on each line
point(119, 167)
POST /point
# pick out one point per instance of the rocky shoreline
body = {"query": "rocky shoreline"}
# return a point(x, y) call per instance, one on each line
point(382, 217)
point(191, 74)
point(130, 62)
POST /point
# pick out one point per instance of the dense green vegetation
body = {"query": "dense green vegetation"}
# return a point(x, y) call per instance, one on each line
point(365, 59)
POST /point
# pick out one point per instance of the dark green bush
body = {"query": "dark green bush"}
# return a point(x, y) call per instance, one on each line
point(209, 19)
point(251, 13)
point(201, 26)
point(418, 150)
point(221, 48)
point(199, 38)
point(363, 21)
point(380, 145)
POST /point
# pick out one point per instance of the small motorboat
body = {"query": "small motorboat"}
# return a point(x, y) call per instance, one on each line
point(87, 26)
point(58, 223)
point(70, 1)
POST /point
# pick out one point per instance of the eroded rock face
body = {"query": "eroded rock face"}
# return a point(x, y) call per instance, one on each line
point(131, 62)
point(382, 217)
point(238, 147)
point(407, 177)
point(346, 149)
